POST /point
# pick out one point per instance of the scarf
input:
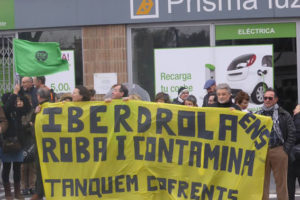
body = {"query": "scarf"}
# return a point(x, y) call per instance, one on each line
point(180, 100)
point(275, 119)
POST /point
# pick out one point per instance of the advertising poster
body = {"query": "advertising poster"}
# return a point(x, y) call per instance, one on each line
point(63, 82)
point(247, 68)
point(7, 15)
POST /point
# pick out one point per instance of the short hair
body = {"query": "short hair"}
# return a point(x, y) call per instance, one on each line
point(29, 78)
point(241, 96)
point(44, 93)
point(212, 94)
point(42, 79)
point(193, 99)
point(271, 90)
point(123, 89)
point(164, 96)
point(84, 92)
point(223, 86)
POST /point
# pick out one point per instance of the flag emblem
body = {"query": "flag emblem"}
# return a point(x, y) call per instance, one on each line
point(41, 56)
point(38, 58)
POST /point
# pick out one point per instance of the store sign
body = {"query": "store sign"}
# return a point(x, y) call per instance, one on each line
point(7, 15)
point(254, 31)
point(248, 68)
point(91, 12)
point(143, 9)
point(63, 82)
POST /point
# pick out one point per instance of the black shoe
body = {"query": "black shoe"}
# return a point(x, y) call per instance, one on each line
point(25, 192)
point(31, 191)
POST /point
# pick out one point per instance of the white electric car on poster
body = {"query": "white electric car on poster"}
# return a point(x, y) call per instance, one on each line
point(251, 73)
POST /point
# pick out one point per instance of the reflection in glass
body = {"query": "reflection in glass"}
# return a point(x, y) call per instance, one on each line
point(145, 40)
point(285, 67)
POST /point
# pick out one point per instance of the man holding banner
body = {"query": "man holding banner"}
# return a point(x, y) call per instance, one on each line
point(38, 59)
point(282, 139)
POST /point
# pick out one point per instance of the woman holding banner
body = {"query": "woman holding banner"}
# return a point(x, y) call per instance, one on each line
point(81, 93)
point(191, 100)
point(242, 100)
point(162, 97)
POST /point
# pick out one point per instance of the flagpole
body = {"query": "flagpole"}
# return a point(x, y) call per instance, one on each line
point(16, 76)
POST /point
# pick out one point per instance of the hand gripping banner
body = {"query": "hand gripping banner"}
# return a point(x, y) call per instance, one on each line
point(142, 150)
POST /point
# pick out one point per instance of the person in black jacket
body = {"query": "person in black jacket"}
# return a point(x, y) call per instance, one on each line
point(43, 96)
point(15, 106)
point(29, 89)
point(210, 87)
point(294, 159)
point(282, 139)
point(224, 97)
point(183, 93)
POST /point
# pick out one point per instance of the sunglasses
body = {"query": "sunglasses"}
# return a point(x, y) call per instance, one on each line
point(270, 98)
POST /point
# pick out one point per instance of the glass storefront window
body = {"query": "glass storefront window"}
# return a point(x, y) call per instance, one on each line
point(70, 39)
point(285, 66)
point(145, 40)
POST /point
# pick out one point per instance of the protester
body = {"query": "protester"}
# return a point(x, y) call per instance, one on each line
point(39, 82)
point(212, 98)
point(28, 173)
point(224, 97)
point(14, 106)
point(242, 100)
point(191, 100)
point(294, 159)
point(81, 93)
point(43, 96)
point(3, 128)
point(28, 88)
point(3, 121)
point(119, 91)
point(210, 87)
point(162, 97)
point(282, 139)
point(183, 93)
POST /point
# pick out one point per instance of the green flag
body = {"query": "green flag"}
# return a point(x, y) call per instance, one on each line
point(38, 58)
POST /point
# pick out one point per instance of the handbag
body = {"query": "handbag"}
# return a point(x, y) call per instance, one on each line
point(29, 153)
point(11, 144)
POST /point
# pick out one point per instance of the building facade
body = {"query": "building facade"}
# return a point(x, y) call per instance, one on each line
point(120, 36)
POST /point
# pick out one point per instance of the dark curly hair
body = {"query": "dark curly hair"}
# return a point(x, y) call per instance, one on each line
point(84, 92)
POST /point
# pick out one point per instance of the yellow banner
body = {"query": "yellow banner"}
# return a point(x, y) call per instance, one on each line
point(142, 150)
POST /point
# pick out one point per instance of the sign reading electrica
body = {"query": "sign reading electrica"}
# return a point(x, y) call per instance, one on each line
point(247, 68)
point(253, 31)
point(7, 15)
point(63, 82)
